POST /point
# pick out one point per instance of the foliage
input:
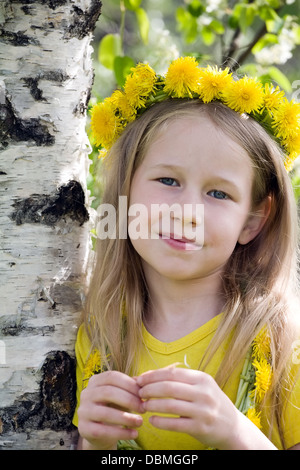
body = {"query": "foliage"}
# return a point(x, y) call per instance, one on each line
point(255, 37)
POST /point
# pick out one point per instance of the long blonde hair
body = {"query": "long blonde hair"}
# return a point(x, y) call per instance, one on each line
point(260, 279)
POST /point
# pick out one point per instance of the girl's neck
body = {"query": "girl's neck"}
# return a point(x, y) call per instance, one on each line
point(176, 308)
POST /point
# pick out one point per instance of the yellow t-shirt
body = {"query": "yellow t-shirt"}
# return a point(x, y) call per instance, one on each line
point(189, 349)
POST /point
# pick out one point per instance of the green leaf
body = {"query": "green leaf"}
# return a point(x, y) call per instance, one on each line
point(266, 13)
point(244, 15)
point(275, 26)
point(109, 48)
point(144, 24)
point(122, 66)
point(208, 35)
point(280, 79)
point(132, 4)
point(187, 24)
point(195, 8)
point(267, 40)
point(217, 27)
point(296, 33)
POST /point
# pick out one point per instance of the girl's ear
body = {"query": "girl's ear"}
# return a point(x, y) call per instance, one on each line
point(255, 221)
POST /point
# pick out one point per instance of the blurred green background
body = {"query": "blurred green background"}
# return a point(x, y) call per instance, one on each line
point(261, 38)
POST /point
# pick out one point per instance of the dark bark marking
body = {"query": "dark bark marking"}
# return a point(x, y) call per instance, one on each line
point(84, 22)
point(53, 4)
point(53, 406)
point(14, 325)
point(82, 105)
point(53, 76)
point(12, 127)
point(67, 201)
point(17, 39)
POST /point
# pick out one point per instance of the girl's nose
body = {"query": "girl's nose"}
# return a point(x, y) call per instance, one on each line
point(189, 219)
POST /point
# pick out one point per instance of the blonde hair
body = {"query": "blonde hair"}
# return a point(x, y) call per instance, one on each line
point(260, 278)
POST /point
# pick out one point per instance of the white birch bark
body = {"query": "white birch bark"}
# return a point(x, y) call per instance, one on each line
point(45, 80)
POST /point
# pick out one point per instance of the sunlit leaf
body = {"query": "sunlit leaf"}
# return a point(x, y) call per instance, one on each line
point(109, 48)
point(265, 41)
point(122, 66)
point(280, 79)
point(144, 24)
point(132, 4)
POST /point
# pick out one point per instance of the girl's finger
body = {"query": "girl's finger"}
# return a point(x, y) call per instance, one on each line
point(93, 431)
point(170, 406)
point(176, 374)
point(116, 378)
point(169, 389)
point(108, 415)
point(115, 396)
point(171, 424)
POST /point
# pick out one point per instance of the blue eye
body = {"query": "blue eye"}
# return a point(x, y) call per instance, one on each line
point(168, 181)
point(218, 194)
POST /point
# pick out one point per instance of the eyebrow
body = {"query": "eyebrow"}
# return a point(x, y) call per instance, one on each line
point(168, 166)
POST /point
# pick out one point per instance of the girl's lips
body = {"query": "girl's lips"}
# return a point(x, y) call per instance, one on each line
point(180, 243)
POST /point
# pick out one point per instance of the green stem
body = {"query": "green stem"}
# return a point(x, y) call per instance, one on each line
point(122, 24)
point(241, 395)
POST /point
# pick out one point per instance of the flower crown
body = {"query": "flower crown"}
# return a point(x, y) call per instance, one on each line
point(185, 79)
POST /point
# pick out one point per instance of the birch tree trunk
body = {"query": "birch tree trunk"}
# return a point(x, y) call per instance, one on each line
point(45, 81)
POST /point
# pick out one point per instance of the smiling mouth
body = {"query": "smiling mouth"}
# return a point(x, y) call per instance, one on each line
point(180, 243)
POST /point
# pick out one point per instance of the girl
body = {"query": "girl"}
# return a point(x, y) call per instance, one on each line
point(178, 328)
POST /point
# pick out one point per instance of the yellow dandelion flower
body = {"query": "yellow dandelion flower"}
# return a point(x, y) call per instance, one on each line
point(287, 119)
point(182, 78)
point(93, 365)
point(106, 126)
point(121, 104)
point(147, 77)
point(292, 143)
point(213, 82)
point(254, 416)
point(263, 378)
point(102, 154)
point(273, 97)
point(261, 345)
point(244, 96)
point(289, 161)
point(139, 85)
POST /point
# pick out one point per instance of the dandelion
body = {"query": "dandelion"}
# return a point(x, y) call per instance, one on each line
point(121, 104)
point(289, 161)
point(244, 96)
point(106, 126)
point(273, 97)
point(287, 119)
point(263, 377)
point(93, 365)
point(292, 143)
point(146, 76)
point(261, 345)
point(254, 416)
point(102, 154)
point(183, 77)
point(213, 82)
point(139, 85)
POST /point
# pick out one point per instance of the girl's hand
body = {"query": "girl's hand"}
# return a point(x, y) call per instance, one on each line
point(106, 411)
point(202, 409)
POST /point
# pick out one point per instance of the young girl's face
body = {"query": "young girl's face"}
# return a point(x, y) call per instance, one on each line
point(191, 162)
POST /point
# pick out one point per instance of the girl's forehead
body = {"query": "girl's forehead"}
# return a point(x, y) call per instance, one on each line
point(181, 137)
